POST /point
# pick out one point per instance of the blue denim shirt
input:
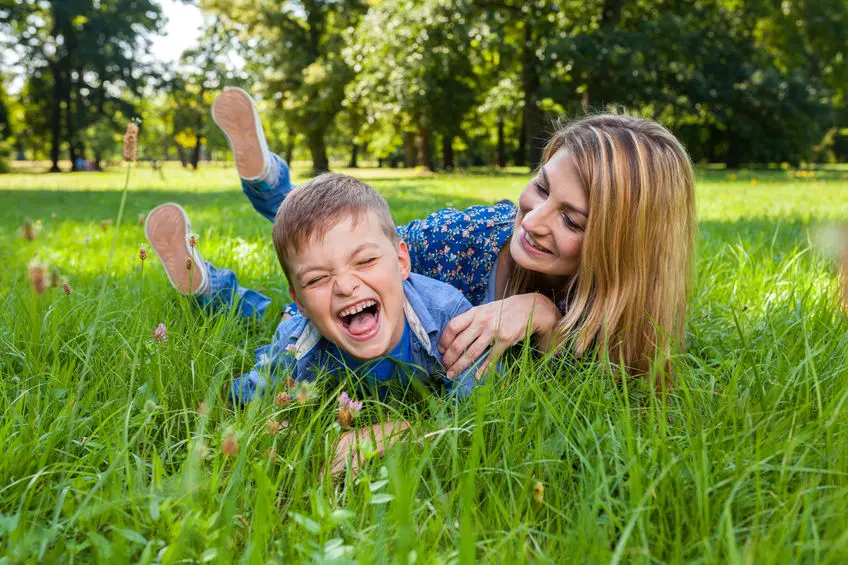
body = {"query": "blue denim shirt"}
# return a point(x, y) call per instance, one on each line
point(297, 349)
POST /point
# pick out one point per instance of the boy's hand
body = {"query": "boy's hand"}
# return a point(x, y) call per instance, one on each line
point(353, 444)
point(499, 324)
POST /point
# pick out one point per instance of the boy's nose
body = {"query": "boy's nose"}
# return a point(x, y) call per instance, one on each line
point(345, 286)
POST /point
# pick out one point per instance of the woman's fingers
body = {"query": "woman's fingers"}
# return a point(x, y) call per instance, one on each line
point(454, 328)
point(460, 344)
point(494, 354)
point(471, 354)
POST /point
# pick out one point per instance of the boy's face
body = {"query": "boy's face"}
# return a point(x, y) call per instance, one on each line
point(349, 284)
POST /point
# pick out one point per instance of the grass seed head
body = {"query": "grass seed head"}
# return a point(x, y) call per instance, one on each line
point(55, 278)
point(230, 446)
point(539, 492)
point(160, 333)
point(29, 230)
point(38, 276)
point(66, 288)
point(348, 410)
point(131, 142)
point(304, 393)
point(282, 399)
point(272, 426)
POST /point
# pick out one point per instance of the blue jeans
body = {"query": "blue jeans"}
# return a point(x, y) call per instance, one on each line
point(225, 290)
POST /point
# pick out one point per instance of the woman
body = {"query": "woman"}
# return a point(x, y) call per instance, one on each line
point(596, 256)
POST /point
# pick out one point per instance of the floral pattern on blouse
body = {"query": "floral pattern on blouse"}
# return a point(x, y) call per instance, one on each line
point(460, 247)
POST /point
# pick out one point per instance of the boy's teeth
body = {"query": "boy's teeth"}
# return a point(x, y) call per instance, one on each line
point(358, 308)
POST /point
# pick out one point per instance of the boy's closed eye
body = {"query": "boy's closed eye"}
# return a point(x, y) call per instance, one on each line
point(314, 281)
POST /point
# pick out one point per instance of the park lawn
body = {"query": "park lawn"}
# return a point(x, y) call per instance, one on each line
point(108, 459)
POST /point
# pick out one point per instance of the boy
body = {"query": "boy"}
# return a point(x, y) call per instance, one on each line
point(360, 306)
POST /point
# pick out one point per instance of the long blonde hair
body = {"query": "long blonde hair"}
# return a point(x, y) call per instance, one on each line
point(628, 297)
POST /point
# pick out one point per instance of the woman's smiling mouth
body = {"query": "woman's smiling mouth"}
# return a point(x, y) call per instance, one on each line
point(529, 244)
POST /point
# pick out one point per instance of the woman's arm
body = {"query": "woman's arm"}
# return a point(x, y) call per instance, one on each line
point(499, 325)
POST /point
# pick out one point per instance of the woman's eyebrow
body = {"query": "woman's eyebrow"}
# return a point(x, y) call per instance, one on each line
point(545, 179)
point(565, 204)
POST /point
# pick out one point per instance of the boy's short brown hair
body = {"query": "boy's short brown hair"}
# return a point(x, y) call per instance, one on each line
point(311, 209)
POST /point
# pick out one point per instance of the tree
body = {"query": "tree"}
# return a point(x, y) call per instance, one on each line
point(296, 46)
point(88, 51)
point(417, 61)
point(204, 70)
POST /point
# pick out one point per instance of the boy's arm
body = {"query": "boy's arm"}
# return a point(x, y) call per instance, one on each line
point(352, 444)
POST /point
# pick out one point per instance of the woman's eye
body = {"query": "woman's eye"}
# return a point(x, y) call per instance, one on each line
point(571, 224)
point(541, 189)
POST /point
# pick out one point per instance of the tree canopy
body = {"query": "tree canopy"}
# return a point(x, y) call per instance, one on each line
point(439, 83)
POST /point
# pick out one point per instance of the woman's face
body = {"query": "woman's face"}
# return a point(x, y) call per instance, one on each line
point(552, 212)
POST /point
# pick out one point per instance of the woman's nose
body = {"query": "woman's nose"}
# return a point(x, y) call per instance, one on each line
point(536, 219)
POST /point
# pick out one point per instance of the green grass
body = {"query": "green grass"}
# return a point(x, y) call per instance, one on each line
point(107, 460)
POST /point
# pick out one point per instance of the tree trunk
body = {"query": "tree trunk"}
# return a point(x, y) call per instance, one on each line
point(56, 118)
point(71, 122)
point(98, 161)
point(532, 114)
point(181, 153)
point(320, 163)
point(424, 149)
point(195, 153)
point(521, 151)
point(354, 153)
point(447, 152)
point(409, 149)
point(500, 152)
point(289, 146)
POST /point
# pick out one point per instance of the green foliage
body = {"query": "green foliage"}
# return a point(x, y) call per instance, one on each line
point(738, 82)
point(204, 71)
point(107, 457)
point(296, 47)
point(78, 55)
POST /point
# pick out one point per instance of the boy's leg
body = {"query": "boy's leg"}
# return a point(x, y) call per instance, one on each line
point(264, 176)
point(167, 228)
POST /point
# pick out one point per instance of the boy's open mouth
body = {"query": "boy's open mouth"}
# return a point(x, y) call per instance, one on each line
point(361, 321)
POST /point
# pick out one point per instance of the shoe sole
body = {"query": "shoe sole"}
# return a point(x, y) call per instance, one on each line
point(166, 228)
point(234, 112)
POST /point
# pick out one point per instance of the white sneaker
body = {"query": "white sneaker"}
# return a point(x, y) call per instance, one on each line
point(167, 228)
point(235, 113)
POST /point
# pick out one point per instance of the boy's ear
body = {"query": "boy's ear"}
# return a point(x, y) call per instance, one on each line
point(404, 261)
point(294, 297)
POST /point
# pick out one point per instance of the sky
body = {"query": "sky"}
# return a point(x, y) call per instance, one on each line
point(181, 31)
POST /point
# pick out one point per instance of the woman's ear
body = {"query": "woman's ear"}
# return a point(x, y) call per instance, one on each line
point(404, 261)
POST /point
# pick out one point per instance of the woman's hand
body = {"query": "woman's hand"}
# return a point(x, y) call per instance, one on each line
point(499, 324)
